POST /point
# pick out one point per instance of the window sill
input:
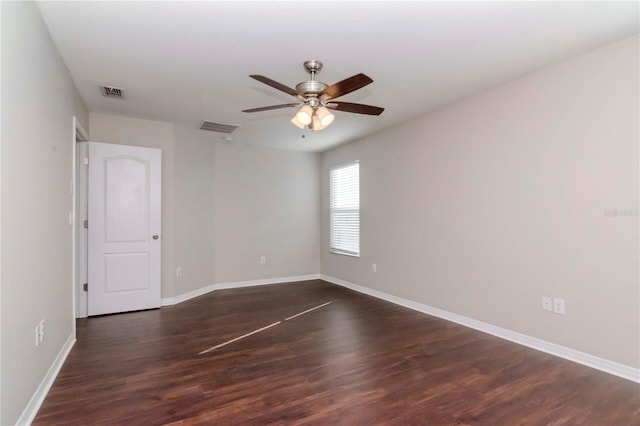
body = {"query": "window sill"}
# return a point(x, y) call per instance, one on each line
point(343, 253)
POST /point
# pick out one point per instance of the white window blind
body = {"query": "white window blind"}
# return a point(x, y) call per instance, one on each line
point(345, 209)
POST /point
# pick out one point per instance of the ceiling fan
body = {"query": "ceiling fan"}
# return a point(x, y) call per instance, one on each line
point(316, 98)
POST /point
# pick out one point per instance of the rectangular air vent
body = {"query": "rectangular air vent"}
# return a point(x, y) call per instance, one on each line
point(217, 127)
point(112, 92)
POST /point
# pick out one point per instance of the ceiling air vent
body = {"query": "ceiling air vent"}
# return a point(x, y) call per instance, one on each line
point(112, 92)
point(217, 127)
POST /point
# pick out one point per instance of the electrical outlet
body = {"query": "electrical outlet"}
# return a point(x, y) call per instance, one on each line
point(179, 271)
point(41, 331)
point(558, 306)
point(263, 260)
point(374, 267)
point(546, 303)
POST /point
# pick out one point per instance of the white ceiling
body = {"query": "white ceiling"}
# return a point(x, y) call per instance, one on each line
point(183, 62)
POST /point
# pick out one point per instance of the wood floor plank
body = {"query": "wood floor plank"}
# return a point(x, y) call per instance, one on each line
point(355, 361)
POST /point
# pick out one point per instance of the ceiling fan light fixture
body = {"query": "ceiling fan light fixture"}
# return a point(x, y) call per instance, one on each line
point(305, 114)
point(316, 124)
point(325, 116)
point(296, 122)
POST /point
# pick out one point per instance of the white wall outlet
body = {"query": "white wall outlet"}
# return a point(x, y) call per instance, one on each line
point(374, 267)
point(41, 331)
point(546, 303)
point(179, 271)
point(263, 260)
point(558, 306)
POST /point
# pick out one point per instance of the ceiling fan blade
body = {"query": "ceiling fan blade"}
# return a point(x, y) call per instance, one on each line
point(345, 86)
point(357, 108)
point(275, 84)
point(267, 108)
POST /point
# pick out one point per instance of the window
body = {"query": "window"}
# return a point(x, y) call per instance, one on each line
point(345, 209)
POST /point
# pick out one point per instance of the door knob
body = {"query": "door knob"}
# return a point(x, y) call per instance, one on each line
point(155, 237)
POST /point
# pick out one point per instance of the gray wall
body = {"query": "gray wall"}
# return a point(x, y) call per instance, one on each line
point(39, 101)
point(225, 205)
point(267, 204)
point(194, 214)
point(484, 206)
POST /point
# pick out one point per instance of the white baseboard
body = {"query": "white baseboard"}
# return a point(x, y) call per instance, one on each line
point(36, 400)
point(235, 284)
point(611, 367)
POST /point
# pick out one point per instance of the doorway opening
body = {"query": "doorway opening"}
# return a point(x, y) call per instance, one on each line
point(78, 255)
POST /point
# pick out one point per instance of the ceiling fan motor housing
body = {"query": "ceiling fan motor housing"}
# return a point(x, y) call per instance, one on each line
point(310, 87)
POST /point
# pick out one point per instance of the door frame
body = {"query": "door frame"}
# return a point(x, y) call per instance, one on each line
point(80, 254)
point(79, 309)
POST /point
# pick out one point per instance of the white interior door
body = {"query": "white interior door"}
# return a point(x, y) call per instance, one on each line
point(124, 228)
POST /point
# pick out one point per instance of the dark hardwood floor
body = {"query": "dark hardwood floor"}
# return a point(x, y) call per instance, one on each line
point(356, 361)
